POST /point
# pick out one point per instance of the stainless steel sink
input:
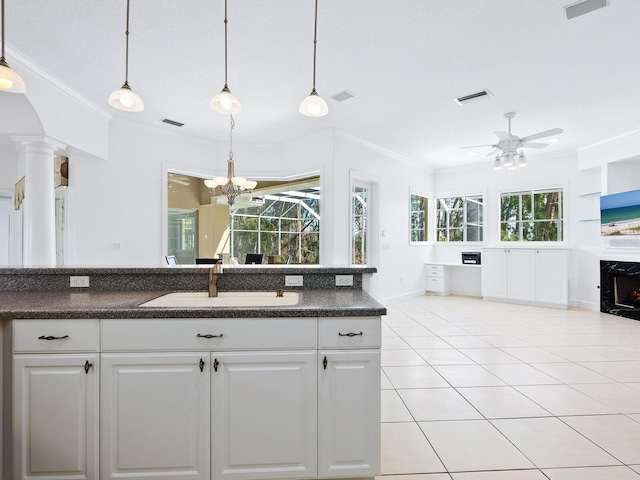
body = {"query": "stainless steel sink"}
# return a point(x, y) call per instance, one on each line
point(224, 299)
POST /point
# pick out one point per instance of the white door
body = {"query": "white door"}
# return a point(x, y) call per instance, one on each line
point(494, 273)
point(349, 413)
point(155, 416)
point(522, 274)
point(551, 276)
point(264, 415)
point(55, 418)
point(5, 229)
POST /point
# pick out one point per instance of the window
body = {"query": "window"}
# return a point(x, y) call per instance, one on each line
point(459, 219)
point(359, 214)
point(531, 216)
point(419, 217)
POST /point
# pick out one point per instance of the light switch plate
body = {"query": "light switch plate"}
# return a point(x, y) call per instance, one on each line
point(293, 280)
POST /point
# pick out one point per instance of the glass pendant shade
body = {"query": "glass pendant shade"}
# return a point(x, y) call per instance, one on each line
point(210, 183)
point(522, 161)
point(250, 184)
point(508, 160)
point(225, 102)
point(238, 181)
point(10, 81)
point(497, 163)
point(125, 99)
point(314, 106)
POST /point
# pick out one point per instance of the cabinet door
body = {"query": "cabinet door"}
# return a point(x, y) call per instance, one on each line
point(494, 273)
point(521, 274)
point(552, 276)
point(264, 415)
point(155, 416)
point(55, 416)
point(349, 413)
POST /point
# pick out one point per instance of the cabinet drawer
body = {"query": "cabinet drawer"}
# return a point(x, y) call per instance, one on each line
point(208, 334)
point(358, 332)
point(46, 336)
point(435, 270)
point(435, 284)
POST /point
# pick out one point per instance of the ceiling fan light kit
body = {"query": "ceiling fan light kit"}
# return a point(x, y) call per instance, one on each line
point(10, 81)
point(509, 148)
point(124, 98)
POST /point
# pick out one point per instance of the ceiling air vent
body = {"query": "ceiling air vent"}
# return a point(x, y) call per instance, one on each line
point(172, 122)
point(342, 96)
point(581, 8)
point(472, 97)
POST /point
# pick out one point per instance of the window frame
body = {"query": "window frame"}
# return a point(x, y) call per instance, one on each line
point(466, 197)
point(427, 211)
point(563, 217)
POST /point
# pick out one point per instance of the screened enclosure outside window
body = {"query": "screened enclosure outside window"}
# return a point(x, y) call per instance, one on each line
point(182, 235)
point(419, 217)
point(359, 198)
point(288, 227)
point(532, 216)
point(460, 219)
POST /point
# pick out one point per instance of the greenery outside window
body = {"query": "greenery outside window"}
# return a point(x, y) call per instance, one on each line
point(419, 217)
point(532, 216)
point(460, 219)
point(359, 227)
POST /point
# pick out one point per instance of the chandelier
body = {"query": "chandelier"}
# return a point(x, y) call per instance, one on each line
point(230, 186)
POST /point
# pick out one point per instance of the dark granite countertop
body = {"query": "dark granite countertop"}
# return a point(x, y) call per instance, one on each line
point(125, 304)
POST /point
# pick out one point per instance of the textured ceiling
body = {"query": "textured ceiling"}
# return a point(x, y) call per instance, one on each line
point(405, 60)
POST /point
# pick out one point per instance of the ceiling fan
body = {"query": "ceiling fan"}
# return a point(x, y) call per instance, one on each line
point(506, 149)
point(179, 179)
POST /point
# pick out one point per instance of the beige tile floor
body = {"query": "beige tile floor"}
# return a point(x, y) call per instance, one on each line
point(475, 390)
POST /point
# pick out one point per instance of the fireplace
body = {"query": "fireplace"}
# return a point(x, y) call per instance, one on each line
point(620, 288)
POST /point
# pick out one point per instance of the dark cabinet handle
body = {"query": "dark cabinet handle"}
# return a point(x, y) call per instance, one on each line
point(215, 364)
point(350, 334)
point(201, 365)
point(324, 363)
point(87, 366)
point(42, 337)
point(208, 335)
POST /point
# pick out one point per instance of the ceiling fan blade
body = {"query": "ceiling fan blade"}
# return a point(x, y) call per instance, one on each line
point(493, 152)
point(503, 135)
point(546, 133)
point(478, 146)
point(533, 145)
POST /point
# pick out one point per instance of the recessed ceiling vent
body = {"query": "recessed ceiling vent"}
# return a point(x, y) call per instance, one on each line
point(342, 96)
point(581, 8)
point(172, 122)
point(472, 97)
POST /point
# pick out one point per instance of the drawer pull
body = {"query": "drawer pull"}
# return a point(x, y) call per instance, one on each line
point(87, 366)
point(201, 365)
point(324, 363)
point(215, 364)
point(42, 337)
point(208, 335)
point(350, 334)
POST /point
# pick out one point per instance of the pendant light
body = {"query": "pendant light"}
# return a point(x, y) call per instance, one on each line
point(225, 101)
point(314, 105)
point(10, 81)
point(124, 98)
point(231, 186)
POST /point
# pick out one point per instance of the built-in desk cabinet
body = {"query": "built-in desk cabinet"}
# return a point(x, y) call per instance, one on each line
point(198, 399)
point(523, 275)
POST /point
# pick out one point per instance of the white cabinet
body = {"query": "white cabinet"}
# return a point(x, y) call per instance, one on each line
point(54, 402)
point(349, 413)
point(264, 415)
point(522, 275)
point(155, 416)
point(438, 280)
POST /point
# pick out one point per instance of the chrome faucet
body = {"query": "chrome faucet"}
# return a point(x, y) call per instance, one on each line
point(214, 272)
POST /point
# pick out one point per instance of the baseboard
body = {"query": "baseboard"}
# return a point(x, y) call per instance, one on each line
point(589, 306)
point(524, 302)
point(401, 298)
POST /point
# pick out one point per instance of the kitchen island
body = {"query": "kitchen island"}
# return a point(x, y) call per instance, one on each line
point(97, 386)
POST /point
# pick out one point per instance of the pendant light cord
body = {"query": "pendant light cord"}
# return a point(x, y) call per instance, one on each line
point(225, 48)
point(2, 30)
point(315, 43)
point(126, 33)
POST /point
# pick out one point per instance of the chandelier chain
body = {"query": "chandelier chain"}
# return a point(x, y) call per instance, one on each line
point(233, 125)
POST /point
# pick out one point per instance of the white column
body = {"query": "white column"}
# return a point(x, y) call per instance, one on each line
point(39, 234)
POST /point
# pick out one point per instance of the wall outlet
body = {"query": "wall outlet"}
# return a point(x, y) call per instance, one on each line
point(344, 280)
point(293, 280)
point(75, 282)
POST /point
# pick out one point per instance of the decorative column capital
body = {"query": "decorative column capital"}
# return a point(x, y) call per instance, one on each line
point(39, 143)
